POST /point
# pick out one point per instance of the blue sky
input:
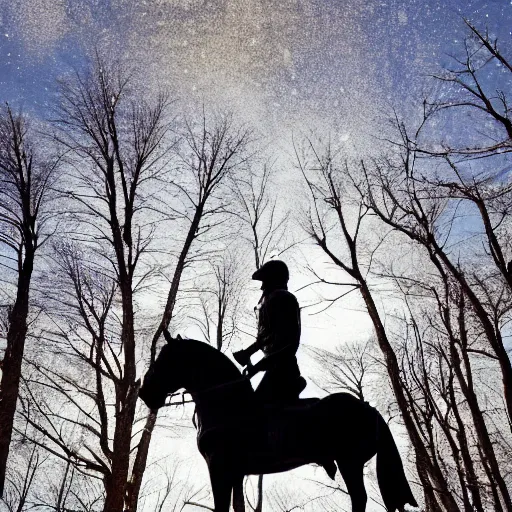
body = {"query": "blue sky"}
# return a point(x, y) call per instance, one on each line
point(287, 65)
point(297, 57)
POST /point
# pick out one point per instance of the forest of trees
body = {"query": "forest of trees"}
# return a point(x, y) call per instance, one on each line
point(121, 216)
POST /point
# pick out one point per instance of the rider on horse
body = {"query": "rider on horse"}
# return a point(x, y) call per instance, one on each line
point(278, 338)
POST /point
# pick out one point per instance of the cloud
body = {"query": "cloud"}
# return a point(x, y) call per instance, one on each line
point(40, 24)
point(280, 62)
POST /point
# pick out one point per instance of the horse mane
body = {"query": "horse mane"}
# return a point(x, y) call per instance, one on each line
point(211, 358)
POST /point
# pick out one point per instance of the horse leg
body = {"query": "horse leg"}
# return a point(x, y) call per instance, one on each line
point(352, 474)
point(238, 494)
point(222, 484)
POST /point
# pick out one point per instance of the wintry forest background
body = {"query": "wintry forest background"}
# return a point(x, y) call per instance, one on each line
point(125, 209)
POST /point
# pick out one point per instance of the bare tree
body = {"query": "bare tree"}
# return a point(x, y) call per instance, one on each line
point(435, 362)
point(220, 299)
point(117, 148)
point(19, 483)
point(431, 383)
point(68, 491)
point(349, 369)
point(40, 481)
point(484, 184)
point(120, 149)
point(26, 179)
point(213, 150)
point(416, 208)
point(264, 222)
point(336, 204)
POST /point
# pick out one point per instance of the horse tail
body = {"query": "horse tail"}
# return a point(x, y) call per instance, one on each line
point(393, 484)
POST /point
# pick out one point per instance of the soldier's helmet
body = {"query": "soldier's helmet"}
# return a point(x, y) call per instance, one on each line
point(273, 272)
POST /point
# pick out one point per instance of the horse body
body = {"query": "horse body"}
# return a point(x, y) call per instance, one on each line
point(237, 436)
point(272, 439)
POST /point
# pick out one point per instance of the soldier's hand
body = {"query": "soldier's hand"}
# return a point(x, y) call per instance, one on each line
point(242, 357)
point(249, 371)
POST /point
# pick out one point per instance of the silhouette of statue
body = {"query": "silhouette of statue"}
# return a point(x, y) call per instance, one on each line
point(278, 338)
point(238, 436)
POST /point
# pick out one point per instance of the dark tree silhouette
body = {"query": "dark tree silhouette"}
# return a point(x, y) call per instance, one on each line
point(26, 179)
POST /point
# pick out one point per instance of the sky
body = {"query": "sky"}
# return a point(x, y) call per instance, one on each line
point(280, 64)
point(284, 65)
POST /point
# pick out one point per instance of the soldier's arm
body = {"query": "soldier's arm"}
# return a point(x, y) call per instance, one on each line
point(252, 349)
point(243, 357)
point(274, 359)
point(285, 325)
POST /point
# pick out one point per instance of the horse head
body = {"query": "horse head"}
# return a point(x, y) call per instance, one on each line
point(165, 375)
point(193, 365)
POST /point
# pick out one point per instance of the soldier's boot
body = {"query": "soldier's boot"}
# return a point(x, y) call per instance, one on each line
point(330, 468)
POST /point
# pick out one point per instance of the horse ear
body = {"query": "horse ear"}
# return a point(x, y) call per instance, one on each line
point(170, 340)
point(167, 335)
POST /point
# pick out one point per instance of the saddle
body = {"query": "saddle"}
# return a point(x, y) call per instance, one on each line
point(258, 413)
point(267, 431)
point(300, 385)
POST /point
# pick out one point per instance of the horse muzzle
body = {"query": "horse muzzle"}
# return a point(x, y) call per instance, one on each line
point(150, 400)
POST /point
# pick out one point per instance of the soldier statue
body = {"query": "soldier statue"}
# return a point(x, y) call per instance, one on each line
point(238, 436)
point(278, 338)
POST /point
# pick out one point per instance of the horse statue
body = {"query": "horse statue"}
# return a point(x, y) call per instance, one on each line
point(238, 436)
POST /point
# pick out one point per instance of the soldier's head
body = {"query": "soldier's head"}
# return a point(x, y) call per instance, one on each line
point(272, 274)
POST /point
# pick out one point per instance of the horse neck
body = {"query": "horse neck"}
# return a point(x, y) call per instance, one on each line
point(207, 367)
point(223, 405)
point(217, 387)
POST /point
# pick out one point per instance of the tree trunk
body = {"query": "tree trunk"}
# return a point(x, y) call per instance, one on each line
point(135, 482)
point(439, 483)
point(11, 367)
point(139, 466)
point(484, 440)
point(440, 259)
point(116, 483)
point(126, 397)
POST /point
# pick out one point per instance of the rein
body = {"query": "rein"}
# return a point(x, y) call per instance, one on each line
point(218, 387)
point(197, 396)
